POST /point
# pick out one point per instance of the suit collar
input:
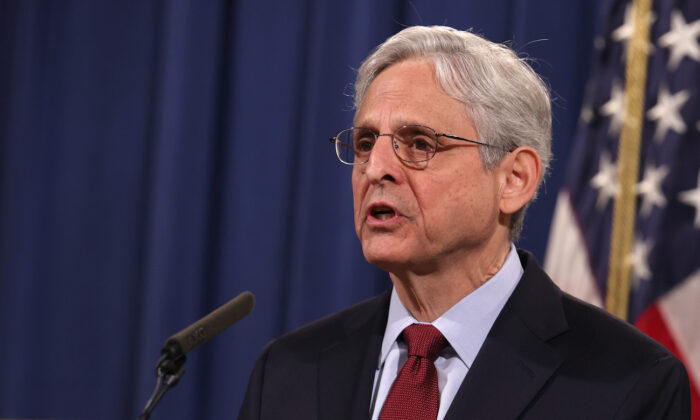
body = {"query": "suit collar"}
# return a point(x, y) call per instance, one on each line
point(467, 323)
point(509, 370)
point(515, 360)
point(346, 369)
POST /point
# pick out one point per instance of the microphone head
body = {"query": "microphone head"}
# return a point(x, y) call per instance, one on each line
point(208, 327)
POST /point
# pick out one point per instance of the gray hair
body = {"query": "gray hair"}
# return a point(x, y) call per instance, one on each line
point(506, 100)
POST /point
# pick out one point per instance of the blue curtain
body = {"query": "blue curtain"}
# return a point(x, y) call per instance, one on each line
point(159, 157)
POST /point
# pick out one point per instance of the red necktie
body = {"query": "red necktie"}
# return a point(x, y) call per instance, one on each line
point(415, 393)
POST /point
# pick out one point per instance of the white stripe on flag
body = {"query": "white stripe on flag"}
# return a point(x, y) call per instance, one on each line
point(679, 308)
point(566, 261)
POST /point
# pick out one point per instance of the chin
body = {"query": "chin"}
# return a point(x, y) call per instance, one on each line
point(384, 257)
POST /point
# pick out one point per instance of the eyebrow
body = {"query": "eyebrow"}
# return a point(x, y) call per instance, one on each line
point(372, 123)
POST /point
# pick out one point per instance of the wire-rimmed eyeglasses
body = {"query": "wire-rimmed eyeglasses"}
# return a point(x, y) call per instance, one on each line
point(411, 143)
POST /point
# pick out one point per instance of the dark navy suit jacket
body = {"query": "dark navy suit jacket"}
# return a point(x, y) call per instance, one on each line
point(547, 356)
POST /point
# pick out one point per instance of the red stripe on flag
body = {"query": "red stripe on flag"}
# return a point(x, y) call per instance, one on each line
point(652, 323)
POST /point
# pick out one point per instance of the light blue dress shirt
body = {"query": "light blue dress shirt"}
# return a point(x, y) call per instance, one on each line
point(465, 326)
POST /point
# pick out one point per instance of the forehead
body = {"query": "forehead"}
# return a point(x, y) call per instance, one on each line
point(407, 92)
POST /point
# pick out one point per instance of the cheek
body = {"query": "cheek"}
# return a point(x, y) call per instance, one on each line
point(355, 186)
point(479, 201)
point(468, 199)
point(357, 193)
point(469, 193)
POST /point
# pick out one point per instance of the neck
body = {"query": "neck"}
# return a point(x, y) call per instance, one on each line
point(429, 295)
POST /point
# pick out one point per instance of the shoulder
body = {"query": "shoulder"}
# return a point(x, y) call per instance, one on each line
point(291, 370)
point(608, 335)
point(602, 358)
point(628, 366)
point(595, 335)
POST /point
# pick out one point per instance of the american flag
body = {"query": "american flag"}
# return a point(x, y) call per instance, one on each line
point(661, 293)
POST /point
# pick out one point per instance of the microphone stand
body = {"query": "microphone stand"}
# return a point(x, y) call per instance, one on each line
point(169, 369)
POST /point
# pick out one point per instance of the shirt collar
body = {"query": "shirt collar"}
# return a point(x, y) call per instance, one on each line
point(466, 324)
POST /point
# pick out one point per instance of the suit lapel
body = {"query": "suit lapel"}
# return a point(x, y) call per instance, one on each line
point(346, 369)
point(515, 361)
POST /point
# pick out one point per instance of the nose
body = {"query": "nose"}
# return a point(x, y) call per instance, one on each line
point(383, 162)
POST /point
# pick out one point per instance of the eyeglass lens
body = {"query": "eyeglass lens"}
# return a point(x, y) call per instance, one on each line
point(412, 143)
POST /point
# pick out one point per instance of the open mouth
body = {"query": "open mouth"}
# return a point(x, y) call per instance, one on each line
point(383, 212)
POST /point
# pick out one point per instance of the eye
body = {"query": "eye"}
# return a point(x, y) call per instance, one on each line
point(364, 142)
point(422, 145)
point(420, 142)
point(416, 143)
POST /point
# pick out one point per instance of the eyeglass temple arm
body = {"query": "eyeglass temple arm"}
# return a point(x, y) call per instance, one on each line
point(473, 141)
point(334, 140)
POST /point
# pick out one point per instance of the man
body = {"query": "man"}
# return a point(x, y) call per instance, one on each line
point(451, 140)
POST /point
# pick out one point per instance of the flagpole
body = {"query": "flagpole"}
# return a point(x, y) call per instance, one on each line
point(617, 297)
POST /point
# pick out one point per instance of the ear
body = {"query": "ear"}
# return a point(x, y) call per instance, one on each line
point(520, 173)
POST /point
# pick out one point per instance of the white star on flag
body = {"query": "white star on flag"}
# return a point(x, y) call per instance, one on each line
point(681, 39)
point(615, 108)
point(605, 181)
point(667, 113)
point(692, 198)
point(624, 32)
point(637, 260)
point(650, 188)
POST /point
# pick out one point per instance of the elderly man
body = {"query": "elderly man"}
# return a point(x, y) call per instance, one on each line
point(451, 139)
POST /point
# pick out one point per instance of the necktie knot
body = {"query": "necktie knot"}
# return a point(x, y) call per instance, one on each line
point(424, 340)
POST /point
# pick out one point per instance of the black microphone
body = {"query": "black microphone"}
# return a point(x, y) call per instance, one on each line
point(208, 327)
point(169, 368)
